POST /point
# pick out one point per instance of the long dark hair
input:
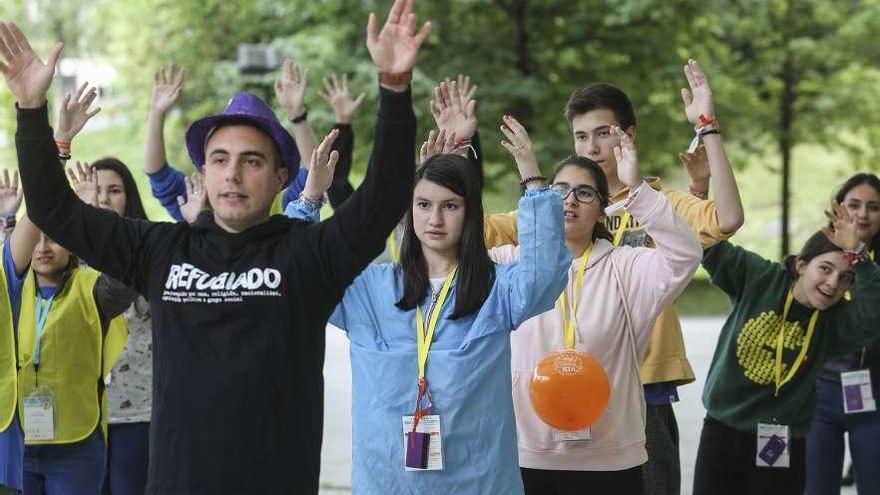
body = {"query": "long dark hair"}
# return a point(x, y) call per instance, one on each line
point(476, 272)
point(134, 208)
point(600, 231)
point(850, 184)
point(817, 245)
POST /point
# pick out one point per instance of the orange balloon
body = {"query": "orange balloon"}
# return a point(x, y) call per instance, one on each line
point(569, 390)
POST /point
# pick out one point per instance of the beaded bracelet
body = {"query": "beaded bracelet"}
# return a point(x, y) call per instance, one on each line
point(534, 178)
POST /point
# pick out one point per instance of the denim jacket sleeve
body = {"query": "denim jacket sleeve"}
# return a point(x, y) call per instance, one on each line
point(533, 284)
point(300, 210)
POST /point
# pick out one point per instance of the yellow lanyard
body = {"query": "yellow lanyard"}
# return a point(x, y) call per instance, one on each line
point(394, 247)
point(871, 254)
point(569, 315)
point(424, 339)
point(780, 341)
point(618, 235)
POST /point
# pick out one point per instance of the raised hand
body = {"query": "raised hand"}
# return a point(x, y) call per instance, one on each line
point(466, 89)
point(453, 112)
point(519, 145)
point(10, 194)
point(394, 49)
point(74, 113)
point(290, 88)
point(627, 160)
point(167, 87)
point(84, 181)
point(438, 143)
point(196, 198)
point(321, 168)
point(697, 166)
point(26, 75)
point(844, 230)
point(338, 97)
point(698, 99)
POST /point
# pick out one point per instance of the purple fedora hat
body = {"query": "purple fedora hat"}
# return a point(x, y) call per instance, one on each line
point(251, 109)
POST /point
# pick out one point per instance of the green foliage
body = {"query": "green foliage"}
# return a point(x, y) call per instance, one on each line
point(527, 56)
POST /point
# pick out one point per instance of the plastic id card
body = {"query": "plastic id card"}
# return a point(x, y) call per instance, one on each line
point(858, 396)
point(772, 446)
point(571, 436)
point(423, 449)
point(39, 417)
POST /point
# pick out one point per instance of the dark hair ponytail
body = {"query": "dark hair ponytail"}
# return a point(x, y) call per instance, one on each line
point(600, 231)
point(476, 272)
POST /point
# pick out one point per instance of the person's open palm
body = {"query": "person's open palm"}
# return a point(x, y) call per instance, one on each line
point(395, 47)
point(26, 75)
point(10, 194)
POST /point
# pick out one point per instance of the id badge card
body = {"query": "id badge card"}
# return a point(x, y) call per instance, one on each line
point(572, 436)
point(858, 396)
point(39, 417)
point(423, 448)
point(773, 443)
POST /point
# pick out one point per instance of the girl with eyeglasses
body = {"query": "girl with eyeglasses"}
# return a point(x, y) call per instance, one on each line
point(614, 295)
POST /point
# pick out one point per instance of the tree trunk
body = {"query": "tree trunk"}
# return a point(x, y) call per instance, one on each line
point(786, 133)
point(523, 110)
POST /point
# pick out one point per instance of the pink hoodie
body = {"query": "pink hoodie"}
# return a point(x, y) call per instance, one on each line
point(624, 290)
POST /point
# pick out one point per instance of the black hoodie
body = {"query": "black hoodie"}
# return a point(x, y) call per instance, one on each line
point(238, 319)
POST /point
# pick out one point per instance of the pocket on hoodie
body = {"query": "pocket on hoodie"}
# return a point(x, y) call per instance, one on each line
point(532, 432)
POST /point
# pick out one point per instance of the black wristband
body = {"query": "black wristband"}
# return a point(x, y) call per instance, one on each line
point(300, 118)
point(9, 221)
point(710, 131)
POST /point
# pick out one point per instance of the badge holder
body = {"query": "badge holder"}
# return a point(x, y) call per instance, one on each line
point(773, 446)
point(422, 442)
point(573, 436)
point(39, 415)
point(858, 395)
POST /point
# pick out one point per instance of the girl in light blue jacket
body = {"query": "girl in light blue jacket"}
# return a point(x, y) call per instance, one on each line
point(466, 441)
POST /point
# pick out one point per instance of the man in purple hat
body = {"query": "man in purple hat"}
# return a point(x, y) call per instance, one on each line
point(247, 129)
point(239, 300)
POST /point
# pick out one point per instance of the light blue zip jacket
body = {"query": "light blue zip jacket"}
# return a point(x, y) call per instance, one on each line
point(468, 369)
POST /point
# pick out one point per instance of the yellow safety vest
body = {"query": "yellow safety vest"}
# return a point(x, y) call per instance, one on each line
point(75, 355)
point(8, 374)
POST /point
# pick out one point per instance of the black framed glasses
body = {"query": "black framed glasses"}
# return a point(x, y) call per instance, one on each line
point(583, 194)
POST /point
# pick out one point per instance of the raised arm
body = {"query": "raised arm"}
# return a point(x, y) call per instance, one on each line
point(653, 277)
point(290, 89)
point(697, 166)
point(859, 319)
point(699, 106)
point(455, 113)
point(166, 91)
point(338, 96)
point(23, 234)
point(11, 197)
point(102, 238)
point(534, 283)
point(356, 234)
point(196, 199)
point(166, 183)
point(322, 163)
point(72, 117)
